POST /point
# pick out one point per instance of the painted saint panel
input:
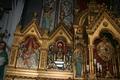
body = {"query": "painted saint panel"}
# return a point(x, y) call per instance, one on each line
point(48, 14)
point(55, 11)
point(78, 58)
point(66, 12)
point(28, 54)
point(59, 56)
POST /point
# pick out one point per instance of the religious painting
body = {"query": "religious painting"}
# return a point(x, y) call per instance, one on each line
point(66, 12)
point(59, 56)
point(105, 49)
point(78, 61)
point(48, 14)
point(103, 55)
point(28, 53)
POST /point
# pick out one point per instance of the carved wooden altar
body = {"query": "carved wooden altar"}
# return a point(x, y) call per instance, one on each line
point(53, 54)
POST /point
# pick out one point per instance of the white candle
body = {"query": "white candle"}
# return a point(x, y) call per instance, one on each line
point(101, 68)
point(98, 66)
point(87, 68)
point(95, 61)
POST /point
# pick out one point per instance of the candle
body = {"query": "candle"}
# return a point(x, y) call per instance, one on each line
point(87, 68)
point(101, 68)
point(95, 61)
point(98, 66)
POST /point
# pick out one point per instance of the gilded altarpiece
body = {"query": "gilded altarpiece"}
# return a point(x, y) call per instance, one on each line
point(39, 56)
point(63, 55)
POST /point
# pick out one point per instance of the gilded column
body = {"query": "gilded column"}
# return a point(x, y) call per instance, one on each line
point(43, 59)
point(43, 55)
point(91, 62)
point(14, 50)
point(13, 56)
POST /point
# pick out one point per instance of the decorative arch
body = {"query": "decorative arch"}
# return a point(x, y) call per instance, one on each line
point(99, 34)
point(61, 38)
point(103, 30)
point(83, 18)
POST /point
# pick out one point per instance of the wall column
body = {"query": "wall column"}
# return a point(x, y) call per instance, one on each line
point(43, 55)
point(91, 62)
point(43, 59)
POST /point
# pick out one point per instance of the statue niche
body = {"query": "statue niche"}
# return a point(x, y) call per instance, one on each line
point(59, 56)
point(103, 56)
point(28, 53)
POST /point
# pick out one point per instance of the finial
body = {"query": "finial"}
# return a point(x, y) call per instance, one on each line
point(45, 35)
point(34, 15)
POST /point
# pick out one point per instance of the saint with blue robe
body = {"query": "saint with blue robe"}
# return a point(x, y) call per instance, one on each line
point(78, 61)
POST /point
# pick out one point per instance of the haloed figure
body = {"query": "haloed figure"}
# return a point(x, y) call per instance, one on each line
point(3, 58)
